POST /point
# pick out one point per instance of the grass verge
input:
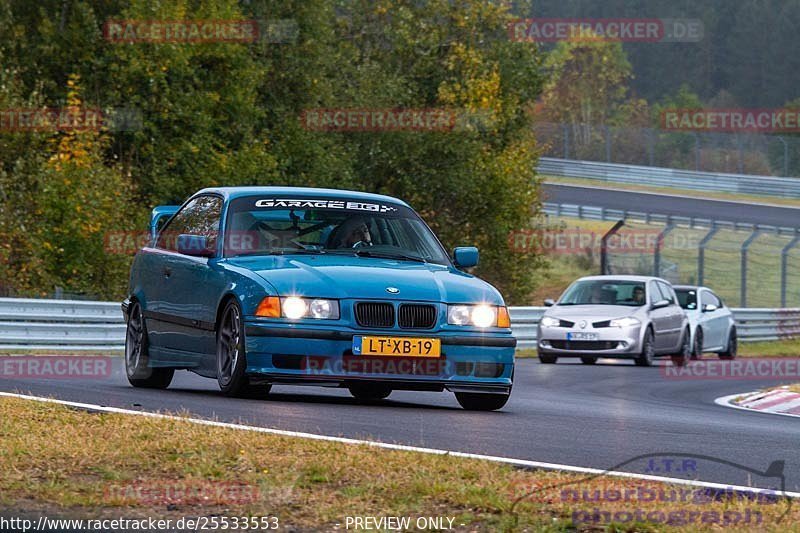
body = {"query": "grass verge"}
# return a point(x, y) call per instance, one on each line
point(58, 461)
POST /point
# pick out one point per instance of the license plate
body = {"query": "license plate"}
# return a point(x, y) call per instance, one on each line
point(581, 336)
point(397, 346)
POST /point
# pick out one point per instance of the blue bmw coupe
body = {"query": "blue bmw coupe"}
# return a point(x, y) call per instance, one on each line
point(256, 286)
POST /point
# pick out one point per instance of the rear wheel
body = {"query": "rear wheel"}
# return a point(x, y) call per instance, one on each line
point(369, 392)
point(588, 360)
point(231, 359)
point(547, 359)
point(682, 358)
point(697, 349)
point(137, 354)
point(733, 346)
point(645, 358)
point(475, 401)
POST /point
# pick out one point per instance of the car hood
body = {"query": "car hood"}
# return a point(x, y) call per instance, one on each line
point(593, 312)
point(331, 276)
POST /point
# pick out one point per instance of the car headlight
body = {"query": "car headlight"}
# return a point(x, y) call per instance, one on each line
point(294, 307)
point(624, 322)
point(482, 316)
point(550, 322)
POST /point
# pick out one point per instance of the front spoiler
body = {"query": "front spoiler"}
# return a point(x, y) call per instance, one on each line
point(396, 384)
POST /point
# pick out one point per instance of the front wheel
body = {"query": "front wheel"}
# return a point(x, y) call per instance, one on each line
point(231, 359)
point(647, 354)
point(476, 401)
point(137, 354)
point(547, 359)
point(733, 345)
point(697, 349)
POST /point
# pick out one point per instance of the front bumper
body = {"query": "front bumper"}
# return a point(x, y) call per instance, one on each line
point(610, 342)
point(289, 353)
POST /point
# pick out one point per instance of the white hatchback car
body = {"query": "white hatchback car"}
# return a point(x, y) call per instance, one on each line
point(711, 322)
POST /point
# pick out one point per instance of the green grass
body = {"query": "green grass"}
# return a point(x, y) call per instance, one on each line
point(63, 462)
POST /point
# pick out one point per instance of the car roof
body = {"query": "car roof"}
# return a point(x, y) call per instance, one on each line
point(692, 287)
point(230, 193)
point(623, 278)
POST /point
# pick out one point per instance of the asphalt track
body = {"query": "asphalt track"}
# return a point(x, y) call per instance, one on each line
point(666, 204)
point(602, 416)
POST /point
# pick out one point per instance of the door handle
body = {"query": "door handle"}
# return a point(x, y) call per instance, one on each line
point(167, 272)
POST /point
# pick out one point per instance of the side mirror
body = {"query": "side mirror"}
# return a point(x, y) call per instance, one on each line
point(194, 245)
point(659, 304)
point(708, 308)
point(465, 256)
point(159, 216)
point(549, 302)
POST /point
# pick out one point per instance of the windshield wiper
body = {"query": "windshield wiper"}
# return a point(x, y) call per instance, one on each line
point(388, 255)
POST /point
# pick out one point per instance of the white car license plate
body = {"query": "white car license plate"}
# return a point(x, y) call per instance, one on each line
point(581, 336)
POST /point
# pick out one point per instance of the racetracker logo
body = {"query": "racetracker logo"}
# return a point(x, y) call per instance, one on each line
point(183, 492)
point(55, 367)
point(575, 241)
point(548, 30)
point(200, 31)
point(374, 120)
point(737, 369)
point(732, 120)
point(76, 119)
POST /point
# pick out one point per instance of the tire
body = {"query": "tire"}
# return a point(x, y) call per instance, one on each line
point(231, 357)
point(682, 358)
point(369, 392)
point(697, 347)
point(547, 359)
point(476, 401)
point(587, 360)
point(732, 348)
point(137, 354)
point(645, 358)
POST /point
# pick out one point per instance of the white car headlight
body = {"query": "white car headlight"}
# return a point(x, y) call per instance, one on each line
point(550, 322)
point(294, 307)
point(482, 316)
point(626, 322)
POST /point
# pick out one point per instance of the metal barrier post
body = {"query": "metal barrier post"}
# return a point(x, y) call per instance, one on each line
point(784, 265)
point(745, 246)
point(659, 244)
point(604, 246)
point(701, 254)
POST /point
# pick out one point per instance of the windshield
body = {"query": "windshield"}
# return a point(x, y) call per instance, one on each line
point(687, 298)
point(260, 225)
point(605, 292)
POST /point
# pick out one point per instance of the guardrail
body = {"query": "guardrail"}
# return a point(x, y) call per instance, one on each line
point(671, 178)
point(58, 325)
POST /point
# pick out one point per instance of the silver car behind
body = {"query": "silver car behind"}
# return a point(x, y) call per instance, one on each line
point(626, 317)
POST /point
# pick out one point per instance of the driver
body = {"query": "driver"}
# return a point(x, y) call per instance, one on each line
point(353, 231)
point(638, 294)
